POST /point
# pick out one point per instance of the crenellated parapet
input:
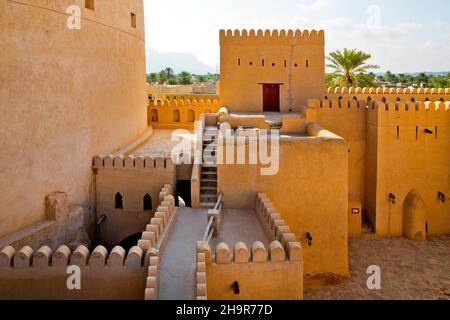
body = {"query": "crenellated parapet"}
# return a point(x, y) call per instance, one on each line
point(338, 104)
point(159, 222)
point(238, 272)
point(276, 37)
point(132, 162)
point(274, 225)
point(389, 94)
point(153, 237)
point(179, 113)
point(258, 253)
point(381, 90)
point(409, 114)
point(28, 260)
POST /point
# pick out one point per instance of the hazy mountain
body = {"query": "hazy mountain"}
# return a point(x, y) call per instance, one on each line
point(415, 74)
point(178, 61)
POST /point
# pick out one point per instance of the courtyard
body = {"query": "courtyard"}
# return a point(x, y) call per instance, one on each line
point(409, 270)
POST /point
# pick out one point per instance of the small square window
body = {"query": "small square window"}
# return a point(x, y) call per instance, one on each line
point(133, 20)
point(89, 4)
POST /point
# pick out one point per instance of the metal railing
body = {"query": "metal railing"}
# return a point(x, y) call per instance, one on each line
point(209, 232)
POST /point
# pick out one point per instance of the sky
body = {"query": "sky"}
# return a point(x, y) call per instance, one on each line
point(401, 35)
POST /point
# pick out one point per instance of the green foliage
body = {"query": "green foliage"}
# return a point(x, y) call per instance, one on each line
point(167, 76)
point(439, 82)
point(420, 80)
point(350, 69)
point(184, 78)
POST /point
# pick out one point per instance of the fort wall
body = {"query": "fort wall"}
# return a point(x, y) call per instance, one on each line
point(389, 94)
point(42, 274)
point(305, 163)
point(172, 114)
point(410, 144)
point(131, 180)
point(347, 119)
point(249, 267)
point(85, 95)
point(292, 59)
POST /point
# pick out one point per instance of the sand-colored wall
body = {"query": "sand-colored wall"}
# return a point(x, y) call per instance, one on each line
point(310, 191)
point(173, 114)
point(193, 91)
point(42, 274)
point(407, 161)
point(299, 68)
point(133, 177)
point(66, 95)
point(389, 94)
point(250, 267)
point(347, 118)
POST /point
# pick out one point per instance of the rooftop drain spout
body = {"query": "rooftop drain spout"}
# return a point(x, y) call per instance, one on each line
point(392, 198)
point(309, 238)
point(442, 197)
point(235, 287)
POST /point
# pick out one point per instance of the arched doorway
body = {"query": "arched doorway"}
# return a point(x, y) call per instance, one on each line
point(147, 205)
point(176, 116)
point(118, 201)
point(154, 115)
point(414, 217)
point(191, 116)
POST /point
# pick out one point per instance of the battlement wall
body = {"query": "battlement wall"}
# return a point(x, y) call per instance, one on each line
point(389, 94)
point(98, 111)
point(173, 114)
point(272, 222)
point(104, 275)
point(114, 274)
point(216, 273)
point(133, 162)
point(407, 114)
point(274, 37)
point(127, 192)
point(405, 138)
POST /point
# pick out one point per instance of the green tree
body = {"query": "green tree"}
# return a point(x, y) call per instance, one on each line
point(184, 78)
point(422, 78)
point(350, 68)
point(439, 82)
point(202, 78)
point(172, 81)
point(390, 77)
point(152, 77)
point(165, 75)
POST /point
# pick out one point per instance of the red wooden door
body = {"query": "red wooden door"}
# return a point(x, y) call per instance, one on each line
point(271, 97)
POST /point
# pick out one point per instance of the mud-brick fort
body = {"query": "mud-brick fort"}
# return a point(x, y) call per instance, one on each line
point(88, 178)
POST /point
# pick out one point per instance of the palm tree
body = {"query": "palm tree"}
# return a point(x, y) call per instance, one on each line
point(165, 75)
point(349, 68)
point(184, 78)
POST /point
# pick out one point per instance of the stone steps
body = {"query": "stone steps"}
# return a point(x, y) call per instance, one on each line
point(208, 185)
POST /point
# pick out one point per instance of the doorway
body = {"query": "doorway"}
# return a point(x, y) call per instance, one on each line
point(183, 192)
point(271, 97)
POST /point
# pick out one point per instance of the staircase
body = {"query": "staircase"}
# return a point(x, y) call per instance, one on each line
point(208, 187)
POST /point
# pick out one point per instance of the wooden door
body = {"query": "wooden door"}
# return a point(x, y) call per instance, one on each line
point(271, 97)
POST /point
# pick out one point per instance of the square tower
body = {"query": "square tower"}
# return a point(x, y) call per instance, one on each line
point(271, 71)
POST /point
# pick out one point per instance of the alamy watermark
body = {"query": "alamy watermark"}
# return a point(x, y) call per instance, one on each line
point(374, 280)
point(73, 21)
point(74, 280)
point(229, 147)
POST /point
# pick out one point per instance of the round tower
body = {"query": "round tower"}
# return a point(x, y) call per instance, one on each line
point(72, 86)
